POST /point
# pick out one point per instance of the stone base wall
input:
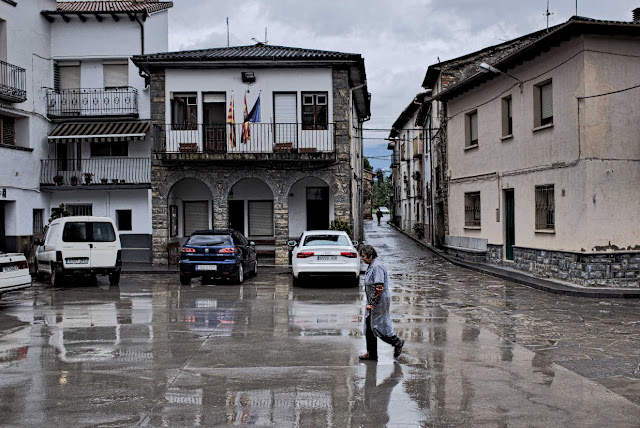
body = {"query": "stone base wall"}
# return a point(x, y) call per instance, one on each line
point(470, 256)
point(495, 254)
point(593, 269)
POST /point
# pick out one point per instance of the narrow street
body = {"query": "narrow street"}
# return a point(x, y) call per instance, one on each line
point(479, 351)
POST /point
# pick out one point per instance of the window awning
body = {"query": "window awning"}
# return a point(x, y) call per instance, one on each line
point(99, 132)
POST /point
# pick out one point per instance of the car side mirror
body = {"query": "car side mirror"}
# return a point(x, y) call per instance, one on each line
point(37, 241)
point(292, 243)
point(252, 244)
point(355, 243)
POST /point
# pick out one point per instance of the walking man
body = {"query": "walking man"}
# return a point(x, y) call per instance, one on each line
point(379, 215)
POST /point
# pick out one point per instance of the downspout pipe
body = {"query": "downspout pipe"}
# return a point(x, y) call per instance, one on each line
point(142, 74)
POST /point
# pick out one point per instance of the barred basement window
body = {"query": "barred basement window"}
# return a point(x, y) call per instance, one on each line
point(545, 208)
point(472, 209)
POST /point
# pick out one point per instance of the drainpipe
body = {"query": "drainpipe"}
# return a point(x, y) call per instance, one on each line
point(142, 74)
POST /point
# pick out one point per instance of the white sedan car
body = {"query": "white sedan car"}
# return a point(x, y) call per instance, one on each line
point(325, 253)
point(14, 272)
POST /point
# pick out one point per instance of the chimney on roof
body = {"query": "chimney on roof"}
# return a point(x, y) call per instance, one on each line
point(636, 15)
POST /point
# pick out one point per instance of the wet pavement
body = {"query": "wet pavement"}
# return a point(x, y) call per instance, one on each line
point(480, 351)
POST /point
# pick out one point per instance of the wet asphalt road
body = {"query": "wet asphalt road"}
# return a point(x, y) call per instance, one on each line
point(480, 352)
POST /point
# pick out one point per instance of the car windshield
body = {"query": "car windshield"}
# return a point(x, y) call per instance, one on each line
point(212, 240)
point(326, 240)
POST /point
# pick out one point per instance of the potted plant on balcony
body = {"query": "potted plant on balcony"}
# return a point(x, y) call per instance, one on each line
point(58, 179)
point(88, 177)
point(74, 180)
point(114, 181)
point(122, 181)
point(104, 180)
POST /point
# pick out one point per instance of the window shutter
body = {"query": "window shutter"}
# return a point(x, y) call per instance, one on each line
point(215, 98)
point(196, 217)
point(286, 116)
point(56, 77)
point(546, 101)
point(116, 75)
point(70, 77)
point(260, 218)
point(474, 127)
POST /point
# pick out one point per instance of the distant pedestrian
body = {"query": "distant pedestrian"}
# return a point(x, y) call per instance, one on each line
point(379, 214)
point(377, 312)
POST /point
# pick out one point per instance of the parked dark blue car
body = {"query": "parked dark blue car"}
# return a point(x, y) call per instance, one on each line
point(219, 253)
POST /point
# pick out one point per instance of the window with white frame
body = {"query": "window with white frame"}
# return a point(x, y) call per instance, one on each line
point(315, 106)
point(471, 126)
point(545, 207)
point(114, 148)
point(543, 103)
point(472, 209)
point(184, 111)
point(507, 116)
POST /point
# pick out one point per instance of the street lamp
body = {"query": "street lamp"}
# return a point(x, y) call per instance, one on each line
point(484, 67)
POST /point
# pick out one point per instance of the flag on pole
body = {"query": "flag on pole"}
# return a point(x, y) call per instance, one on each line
point(231, 119)
point(246, 130)
point(254, 114)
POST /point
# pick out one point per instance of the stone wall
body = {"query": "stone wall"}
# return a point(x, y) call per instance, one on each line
point(619, 269)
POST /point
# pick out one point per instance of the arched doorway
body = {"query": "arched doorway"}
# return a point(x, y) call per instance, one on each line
point(251, 209)
point(190, 208)
point(311, 206)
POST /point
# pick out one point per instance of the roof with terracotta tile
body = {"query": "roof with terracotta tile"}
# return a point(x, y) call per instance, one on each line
point(113, 6)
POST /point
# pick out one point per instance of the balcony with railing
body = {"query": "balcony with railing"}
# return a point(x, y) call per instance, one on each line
point(130, 172)
point(13, 83)
point(248, 141)
point(97, 102)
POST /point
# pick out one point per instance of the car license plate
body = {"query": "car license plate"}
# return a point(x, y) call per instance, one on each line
point(206, 267)
point(325, 258)
point(78, 261)
point(10, 268)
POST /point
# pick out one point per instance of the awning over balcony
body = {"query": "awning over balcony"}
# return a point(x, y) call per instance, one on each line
point(99, 132)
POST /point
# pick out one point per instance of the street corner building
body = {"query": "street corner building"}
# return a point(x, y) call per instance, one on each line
point(532, 149)
point(262, 139)
point(74, 115)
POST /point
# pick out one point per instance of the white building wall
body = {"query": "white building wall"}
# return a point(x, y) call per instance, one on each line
point(27, 46)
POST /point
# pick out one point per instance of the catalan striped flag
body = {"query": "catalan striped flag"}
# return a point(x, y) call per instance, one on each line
point(231, 120)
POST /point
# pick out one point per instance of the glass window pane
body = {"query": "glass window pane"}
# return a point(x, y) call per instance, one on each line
point(75, 232)
point(103, 232)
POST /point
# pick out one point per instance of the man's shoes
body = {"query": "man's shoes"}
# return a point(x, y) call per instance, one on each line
point(397, 349)
point(367, 357)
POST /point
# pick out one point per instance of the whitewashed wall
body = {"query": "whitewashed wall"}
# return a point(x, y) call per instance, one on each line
point(298, 205)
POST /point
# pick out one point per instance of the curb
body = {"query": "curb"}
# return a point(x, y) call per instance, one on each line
point(548, 285)
point(176, 271)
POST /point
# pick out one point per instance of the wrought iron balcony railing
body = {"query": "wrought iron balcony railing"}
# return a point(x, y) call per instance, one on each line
point(95, 171)
point(13, 83)
point(117, 101)
point(238, 138)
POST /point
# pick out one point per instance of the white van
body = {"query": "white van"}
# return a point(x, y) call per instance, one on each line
point(80, 245)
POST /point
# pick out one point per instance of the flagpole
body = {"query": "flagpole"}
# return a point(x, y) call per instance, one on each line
point(227, 31)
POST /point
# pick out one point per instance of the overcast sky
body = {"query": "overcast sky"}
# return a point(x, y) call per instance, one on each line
point(398, 39)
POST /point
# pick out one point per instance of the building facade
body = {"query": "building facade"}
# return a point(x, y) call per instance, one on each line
point(80, 136)
point(543, 157)
point(263, 139)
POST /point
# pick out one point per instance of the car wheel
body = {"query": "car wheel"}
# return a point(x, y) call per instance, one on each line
point(239, 278)
point(255, 269)
point(56, 277)
point(37, 272)
point(93, 279)
point(297, 281)
point(185, 279)
point(114, 278)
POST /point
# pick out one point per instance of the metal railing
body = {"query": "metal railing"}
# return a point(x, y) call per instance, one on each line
point(117, 101)
point(242, 138)
point(95, 171)
point(13, 83)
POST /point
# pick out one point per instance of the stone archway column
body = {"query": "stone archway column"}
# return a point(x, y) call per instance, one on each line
point(160, 224)
point(220, 212)
point(281, 214)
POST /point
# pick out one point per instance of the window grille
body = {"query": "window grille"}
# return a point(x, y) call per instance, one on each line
point(38, 221)
point(545, 207)
point(472, 209)
point(83, 209)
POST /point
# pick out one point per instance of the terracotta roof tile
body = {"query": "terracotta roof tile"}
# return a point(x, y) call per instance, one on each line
point(111, 6)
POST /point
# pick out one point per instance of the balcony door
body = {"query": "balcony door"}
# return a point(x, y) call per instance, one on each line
point(214, 115)
point(69, 156)
point(285, 107)
point(69, 87)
